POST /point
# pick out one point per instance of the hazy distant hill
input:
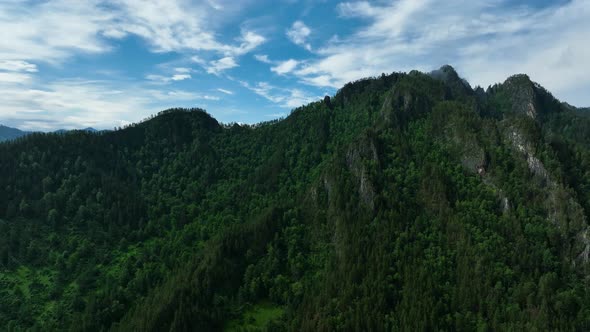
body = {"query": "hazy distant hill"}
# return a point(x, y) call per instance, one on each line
point(406, 202)
point(7, 133)
point(89, 129)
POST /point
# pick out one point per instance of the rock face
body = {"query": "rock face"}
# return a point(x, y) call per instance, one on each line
point(535, 165)
point(359, 159)
point(328, 102)
point(562, 208)
point(521, 91)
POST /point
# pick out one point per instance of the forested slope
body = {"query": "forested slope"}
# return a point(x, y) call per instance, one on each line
point(406, 202)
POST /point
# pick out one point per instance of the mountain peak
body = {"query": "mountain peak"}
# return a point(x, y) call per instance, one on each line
point(448, 69)
point(520, 79)
point(445, 73)
point(528, 97)
point(448, 75)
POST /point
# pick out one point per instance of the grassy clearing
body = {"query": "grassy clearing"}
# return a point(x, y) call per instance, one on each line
point(256, 318)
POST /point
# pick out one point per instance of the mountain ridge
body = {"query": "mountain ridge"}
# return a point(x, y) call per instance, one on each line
point(411, 202)
point(8, 133)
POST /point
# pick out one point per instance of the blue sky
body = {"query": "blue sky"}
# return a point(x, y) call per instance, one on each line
point(106, 63)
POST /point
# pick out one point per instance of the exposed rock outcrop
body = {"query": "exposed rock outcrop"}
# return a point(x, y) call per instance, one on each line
point(359, 158)
point(521, 91)
point(328, 102)
point(562, 208)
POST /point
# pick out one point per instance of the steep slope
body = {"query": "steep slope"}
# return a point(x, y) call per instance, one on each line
point(408, 202)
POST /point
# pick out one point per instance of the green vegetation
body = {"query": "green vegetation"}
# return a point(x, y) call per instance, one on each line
point(411, 202)
point(257, 318)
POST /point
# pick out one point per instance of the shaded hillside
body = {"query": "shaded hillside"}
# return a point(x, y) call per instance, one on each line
point(408, 202)
point(7, 133)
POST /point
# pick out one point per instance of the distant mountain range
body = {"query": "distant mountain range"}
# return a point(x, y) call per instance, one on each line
point(7, 133)
point(89, 129)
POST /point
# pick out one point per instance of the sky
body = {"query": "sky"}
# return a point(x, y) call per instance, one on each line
point(68, 64)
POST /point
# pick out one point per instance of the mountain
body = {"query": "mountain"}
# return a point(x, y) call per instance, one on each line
point(408, 201)
point(7, 133)
point(89, 129)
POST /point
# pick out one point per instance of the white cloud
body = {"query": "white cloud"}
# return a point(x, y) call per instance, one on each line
point(167, 25)
point(161, 79)
point(14, 78)
point(298, 98)
point(262, 58)
point(180, 95)
point(298, 34)
point(17, 65)
point(279, 67)
point(486, 40)
point(55, 31)
point(180, 77)
point(286, 98)
point(277, 115)
point(114, 33)
point(199, 60)
point(217, 66)
point(52, 31)
point(78, 104)
point(215, 5)
point(285, 67)
point(70, 104)
point(227, 92)
point(249, 41)
point(183, 70)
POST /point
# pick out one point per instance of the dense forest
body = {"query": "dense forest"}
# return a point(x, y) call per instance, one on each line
point(406, 202)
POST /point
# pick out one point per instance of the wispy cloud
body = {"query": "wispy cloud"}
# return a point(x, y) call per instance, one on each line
point(51, 30)
point(277, 115)
point(55, 31)
point(227, 92)
point(183, 70)
point(283, 97)
point(77, 103)
point(298, 34)
point(217, 66)
point(18, 65)
point(180, 77)
point(58, 29)
point(12, 77)
point(167, 79)
point(487, 40)
point(262, 58)
point(285, 67)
